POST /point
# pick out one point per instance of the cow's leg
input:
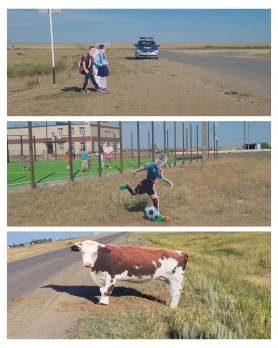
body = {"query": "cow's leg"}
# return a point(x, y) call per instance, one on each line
point(106, 289)
point(175, 288)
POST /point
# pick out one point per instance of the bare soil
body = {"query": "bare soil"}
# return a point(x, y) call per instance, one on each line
point(51, 313)
point(138, 87)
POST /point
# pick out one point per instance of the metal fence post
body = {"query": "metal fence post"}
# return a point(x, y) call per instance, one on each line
point(70, 151)
point(204, 145)
point(191, 158)
point(138, 142)
point(152, 141)
point(99, 150)
point(175, 142)
point(31, 156)
point(121, 147)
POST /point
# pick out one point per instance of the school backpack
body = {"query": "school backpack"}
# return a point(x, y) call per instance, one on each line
point(80, 65)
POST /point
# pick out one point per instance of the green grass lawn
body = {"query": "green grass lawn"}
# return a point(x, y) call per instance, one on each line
point(55, 170)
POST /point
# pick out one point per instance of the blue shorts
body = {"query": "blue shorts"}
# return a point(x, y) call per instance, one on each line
point(145, 186)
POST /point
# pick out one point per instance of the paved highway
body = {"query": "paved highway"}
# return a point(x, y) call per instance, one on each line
point(26, 275)
point(234, 63)
point(257, 70)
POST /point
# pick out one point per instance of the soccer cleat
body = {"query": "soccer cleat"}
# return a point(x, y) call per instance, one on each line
point(123, 186)
point(162, 218)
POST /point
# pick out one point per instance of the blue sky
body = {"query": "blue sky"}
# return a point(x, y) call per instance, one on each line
point(25, 237)
point(126, 25)
point(230, 133)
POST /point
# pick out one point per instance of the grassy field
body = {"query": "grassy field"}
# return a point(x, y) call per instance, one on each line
point(231, 192)
point(226, 293)
point(54, 170)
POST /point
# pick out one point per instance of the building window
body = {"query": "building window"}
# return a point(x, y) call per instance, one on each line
point(115, 145)
point(72, 131)
point(82, 130)
point(61, 146)
point(60, 131)
point(82, 145)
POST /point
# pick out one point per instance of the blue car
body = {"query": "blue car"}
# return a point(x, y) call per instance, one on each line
point(146, 48)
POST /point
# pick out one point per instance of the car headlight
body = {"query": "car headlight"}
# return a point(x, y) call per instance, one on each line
point(155, 51)
point(138, 51)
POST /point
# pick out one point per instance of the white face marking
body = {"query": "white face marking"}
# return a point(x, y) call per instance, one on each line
point(89, 252)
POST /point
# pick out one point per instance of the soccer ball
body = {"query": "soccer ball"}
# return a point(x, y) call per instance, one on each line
point(68, 167)
point(151, 213)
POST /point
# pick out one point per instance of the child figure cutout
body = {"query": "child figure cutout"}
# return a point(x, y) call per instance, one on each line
point(97, 78)
point(154, 171)
point(103, 70)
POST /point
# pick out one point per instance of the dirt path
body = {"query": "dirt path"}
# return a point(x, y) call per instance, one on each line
point(54, 309)
point(139, 88)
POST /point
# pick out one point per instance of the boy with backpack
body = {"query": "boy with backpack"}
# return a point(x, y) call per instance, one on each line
point(87, 69)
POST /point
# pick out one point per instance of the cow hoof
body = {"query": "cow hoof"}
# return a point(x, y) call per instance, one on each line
point(173, 307)
point(101, 304)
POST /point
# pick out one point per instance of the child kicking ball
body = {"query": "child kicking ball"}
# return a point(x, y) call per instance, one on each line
point(147, 185)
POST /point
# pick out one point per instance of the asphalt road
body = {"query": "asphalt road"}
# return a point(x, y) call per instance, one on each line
point(26, 275)
point(252, 70)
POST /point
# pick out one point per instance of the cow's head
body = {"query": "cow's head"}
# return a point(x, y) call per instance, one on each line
point(90, 251)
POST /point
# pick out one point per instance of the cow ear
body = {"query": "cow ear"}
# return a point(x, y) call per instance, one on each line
point(103, 250)
point(75, 247)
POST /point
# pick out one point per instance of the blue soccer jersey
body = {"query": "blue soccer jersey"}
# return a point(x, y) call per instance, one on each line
point(153, 172)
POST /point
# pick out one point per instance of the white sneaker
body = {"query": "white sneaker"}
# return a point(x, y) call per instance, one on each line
point(110, 167)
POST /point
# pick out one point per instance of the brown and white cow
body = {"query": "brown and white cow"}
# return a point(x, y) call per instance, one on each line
point(109, 263)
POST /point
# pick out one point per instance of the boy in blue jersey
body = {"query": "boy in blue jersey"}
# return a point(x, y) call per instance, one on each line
point(154, 171)
point(84, 158)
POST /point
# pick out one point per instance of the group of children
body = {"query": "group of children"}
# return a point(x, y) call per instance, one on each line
point(87, 164)
point(95, 68)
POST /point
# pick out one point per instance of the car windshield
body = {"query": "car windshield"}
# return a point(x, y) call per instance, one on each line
point(146, 43)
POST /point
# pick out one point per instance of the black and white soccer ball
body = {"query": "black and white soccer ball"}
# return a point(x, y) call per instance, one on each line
point(151, 213)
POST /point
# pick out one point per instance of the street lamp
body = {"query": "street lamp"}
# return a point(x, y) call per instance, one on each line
point(51, 38)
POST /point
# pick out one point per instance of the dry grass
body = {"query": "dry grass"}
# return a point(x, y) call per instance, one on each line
point(231, 192)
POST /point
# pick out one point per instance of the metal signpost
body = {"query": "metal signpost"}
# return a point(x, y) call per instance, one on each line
point(49, 11)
